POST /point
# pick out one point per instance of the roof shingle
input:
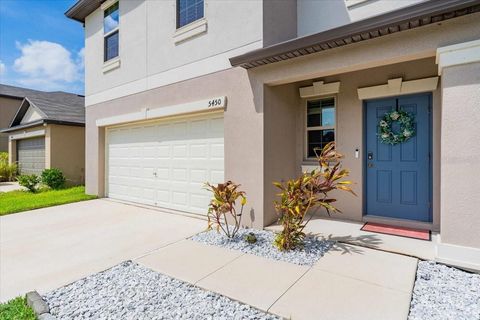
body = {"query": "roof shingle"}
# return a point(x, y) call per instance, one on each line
point(55, 106)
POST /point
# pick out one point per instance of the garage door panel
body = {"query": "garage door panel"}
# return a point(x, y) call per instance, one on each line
point(198, 175)
point(31, 155)
point(167, 163)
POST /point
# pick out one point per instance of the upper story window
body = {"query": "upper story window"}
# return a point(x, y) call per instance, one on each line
point(320, 124)
point(189, 11)
point(110, 32)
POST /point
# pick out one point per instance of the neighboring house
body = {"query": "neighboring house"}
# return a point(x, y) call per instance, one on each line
point(8, 108)
point(47, 131)
point(187, 91)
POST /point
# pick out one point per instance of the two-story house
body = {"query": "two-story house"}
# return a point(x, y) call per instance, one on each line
point(187, 91)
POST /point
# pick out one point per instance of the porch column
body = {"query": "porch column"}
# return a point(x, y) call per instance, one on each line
point(459, 67)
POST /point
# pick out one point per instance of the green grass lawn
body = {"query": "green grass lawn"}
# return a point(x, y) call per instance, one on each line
point(17, 201)
point(16, 309)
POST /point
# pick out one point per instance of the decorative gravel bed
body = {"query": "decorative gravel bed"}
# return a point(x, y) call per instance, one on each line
point(313, 250)
point(131, 291)
point(443, 292)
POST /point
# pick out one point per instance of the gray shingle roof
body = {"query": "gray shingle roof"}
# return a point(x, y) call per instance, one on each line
point(54, 106)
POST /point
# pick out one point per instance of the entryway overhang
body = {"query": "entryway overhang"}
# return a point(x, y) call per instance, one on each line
point(411, 17)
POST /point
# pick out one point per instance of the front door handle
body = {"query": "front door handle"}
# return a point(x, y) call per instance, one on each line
point(370, 165)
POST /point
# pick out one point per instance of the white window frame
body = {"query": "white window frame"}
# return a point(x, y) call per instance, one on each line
point(191, 23)
point(307, 129)
point(106, 6)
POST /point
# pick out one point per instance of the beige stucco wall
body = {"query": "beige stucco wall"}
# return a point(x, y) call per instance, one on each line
point(8, 109)
point(67, 152)
point(263, 128)
point(460, 203)
point(243, 123)
point(285, 132)
point(280, 137)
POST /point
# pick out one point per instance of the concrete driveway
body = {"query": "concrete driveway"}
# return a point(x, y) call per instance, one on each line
point(47, 248)
point(10, 186)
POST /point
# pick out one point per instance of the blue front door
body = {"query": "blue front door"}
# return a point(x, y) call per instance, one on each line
point(398, 176)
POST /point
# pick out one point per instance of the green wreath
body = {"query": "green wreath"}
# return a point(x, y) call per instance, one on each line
point(407, 129)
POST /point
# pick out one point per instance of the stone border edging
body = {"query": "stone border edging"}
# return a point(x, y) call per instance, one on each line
point(39, 306)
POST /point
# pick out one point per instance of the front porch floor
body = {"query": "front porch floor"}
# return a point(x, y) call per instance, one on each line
point(348, 232)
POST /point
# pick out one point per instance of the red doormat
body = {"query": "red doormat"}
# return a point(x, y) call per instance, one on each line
point(397, 231)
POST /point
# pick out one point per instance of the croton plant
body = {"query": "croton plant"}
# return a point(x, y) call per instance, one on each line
point(221, 211)
point(307, 193)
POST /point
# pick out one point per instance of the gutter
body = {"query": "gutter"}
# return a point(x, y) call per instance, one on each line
point(42, 122)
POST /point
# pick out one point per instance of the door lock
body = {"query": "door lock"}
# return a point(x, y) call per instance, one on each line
point(370, 155)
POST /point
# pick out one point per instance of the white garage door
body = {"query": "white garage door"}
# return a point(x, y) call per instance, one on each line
point(166, 163)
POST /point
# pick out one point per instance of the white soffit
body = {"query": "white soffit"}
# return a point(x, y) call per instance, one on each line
point(396, 87)
point(462, 53)
point(320, 88)
point(216, 103)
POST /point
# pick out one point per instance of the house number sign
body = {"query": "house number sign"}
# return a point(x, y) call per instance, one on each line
point(216, 102)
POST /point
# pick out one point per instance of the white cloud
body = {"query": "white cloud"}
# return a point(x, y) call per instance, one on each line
point(3, 68)
point(47, 65)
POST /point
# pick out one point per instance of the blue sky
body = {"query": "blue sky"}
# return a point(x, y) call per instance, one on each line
point(40, 48)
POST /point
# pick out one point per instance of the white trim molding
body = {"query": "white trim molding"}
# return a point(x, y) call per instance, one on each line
point(216, 103)
point(462, 53)
point(190, 30)
point(320, 88)
point(111, 65)
point(397, 87)
point(27, 134)
point(459, 256)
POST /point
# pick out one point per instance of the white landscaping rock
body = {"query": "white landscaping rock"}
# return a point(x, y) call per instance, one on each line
point(131, 291)
point(443, 292)
point(313, 249)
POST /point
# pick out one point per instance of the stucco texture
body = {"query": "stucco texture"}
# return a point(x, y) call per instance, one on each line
point(460, 155)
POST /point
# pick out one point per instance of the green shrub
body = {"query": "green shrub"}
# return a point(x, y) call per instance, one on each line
point(53, 178)
point(29, 181)
point(7, 171)
point(309, 191)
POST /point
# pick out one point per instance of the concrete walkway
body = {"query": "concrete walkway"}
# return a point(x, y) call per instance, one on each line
point(350, 282)
point(48, 248)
